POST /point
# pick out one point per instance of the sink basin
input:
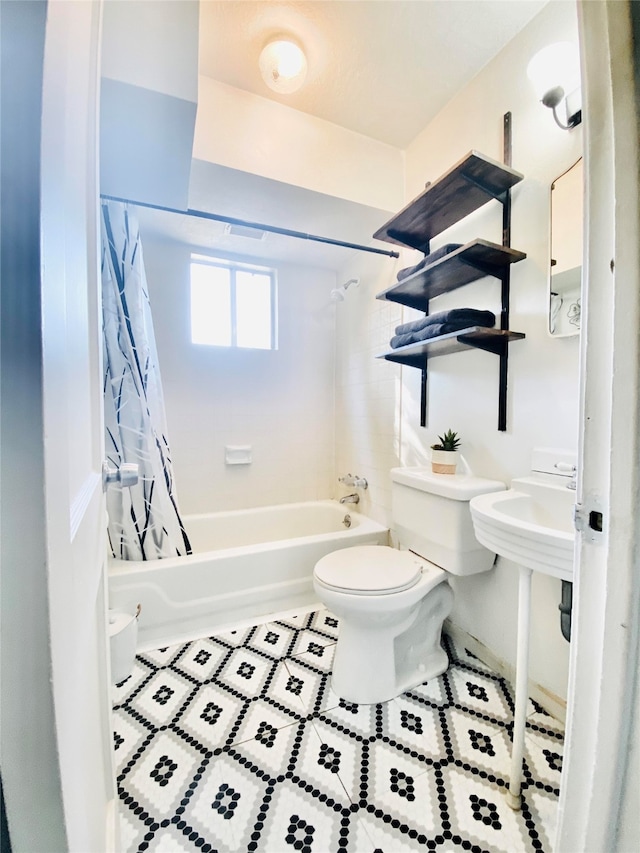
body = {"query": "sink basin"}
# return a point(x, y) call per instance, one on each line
point(531, 524)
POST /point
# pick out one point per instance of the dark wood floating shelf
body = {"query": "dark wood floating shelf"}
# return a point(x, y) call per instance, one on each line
point(475, 337)
point(467, 186)
point(469, 263)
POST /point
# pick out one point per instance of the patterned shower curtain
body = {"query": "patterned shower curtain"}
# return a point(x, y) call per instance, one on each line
point(144, 521)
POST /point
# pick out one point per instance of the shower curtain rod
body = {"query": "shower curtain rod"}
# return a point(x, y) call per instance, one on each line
point(274, 229)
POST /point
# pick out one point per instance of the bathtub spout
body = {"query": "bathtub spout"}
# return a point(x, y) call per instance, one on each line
point(350, 499)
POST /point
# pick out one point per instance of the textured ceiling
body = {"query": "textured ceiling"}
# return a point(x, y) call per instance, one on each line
point(382, 68)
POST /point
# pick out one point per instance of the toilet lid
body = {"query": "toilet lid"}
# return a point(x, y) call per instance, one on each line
point(372, 569)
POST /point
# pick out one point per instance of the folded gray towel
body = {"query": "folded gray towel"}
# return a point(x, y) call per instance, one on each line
point(428, 259)
point(468, 316)
point(433, 330)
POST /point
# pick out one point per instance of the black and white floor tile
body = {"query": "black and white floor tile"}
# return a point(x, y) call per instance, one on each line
point(237, 743)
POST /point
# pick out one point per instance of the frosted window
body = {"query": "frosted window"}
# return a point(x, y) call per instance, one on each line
point(253, 310)
point(232, 305)
point(210, 305)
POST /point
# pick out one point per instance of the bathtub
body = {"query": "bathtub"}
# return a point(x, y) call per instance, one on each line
point(246, 564)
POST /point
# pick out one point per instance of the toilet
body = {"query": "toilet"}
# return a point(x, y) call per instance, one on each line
point(392, 602)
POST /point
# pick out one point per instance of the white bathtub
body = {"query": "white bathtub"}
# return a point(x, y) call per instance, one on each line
point(246, 564)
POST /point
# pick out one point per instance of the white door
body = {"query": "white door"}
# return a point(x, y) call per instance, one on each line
point(599, 792)
point(73, 426)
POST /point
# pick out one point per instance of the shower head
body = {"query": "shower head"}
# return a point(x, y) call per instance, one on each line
point(338, 293)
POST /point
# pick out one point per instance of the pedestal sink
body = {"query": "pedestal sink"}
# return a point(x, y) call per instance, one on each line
point(532, 525)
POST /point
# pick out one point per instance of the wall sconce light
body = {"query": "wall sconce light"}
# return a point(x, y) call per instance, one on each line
point(555, 74)
point(338, 293)
point(283, 65)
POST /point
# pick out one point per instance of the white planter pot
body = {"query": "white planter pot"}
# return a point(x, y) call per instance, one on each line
point(444, 461)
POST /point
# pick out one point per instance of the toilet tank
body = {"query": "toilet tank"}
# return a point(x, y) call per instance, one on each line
point(431, 516)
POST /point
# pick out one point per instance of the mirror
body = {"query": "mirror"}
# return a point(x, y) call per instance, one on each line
point(565, 277)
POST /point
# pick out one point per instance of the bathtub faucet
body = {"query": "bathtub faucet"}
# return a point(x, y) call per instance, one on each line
point(350, 499)
point(353, 480)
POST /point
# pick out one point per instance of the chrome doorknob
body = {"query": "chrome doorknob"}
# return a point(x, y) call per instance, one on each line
point(125, 475)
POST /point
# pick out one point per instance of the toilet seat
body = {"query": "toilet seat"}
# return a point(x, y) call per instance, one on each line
point(391, 605)
point(372, 570)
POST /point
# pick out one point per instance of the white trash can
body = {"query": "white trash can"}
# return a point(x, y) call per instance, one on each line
point(123, 636)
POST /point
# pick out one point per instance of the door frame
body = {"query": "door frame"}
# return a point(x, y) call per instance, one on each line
point(596, 810)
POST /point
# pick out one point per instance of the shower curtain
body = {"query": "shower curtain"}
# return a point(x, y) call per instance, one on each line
point(144, 521)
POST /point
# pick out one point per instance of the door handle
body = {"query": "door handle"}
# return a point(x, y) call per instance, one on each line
point(125, 475)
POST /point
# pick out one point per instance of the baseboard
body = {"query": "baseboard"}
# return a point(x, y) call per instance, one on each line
point(111, 833)
point(552, 704)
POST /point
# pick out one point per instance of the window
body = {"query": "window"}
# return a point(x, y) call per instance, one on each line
point(232, 304)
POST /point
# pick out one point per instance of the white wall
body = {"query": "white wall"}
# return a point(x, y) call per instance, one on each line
point(379, 413)
point(270, 139)
point(368, 391)
point(152, 46)
point(280, 402)
point(149, 56)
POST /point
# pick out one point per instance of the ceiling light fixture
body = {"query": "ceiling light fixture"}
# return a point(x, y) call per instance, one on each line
point(555, 74)
point(283, 66)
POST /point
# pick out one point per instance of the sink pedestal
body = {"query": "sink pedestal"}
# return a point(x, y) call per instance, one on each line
point(514, 798)
point(531, 524)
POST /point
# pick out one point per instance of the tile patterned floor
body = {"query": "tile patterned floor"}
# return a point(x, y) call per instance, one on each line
point(237, 743)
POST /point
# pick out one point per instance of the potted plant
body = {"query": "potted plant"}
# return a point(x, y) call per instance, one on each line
point(444, 456)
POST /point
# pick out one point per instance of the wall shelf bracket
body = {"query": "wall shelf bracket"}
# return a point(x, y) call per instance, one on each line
point(471, 183)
